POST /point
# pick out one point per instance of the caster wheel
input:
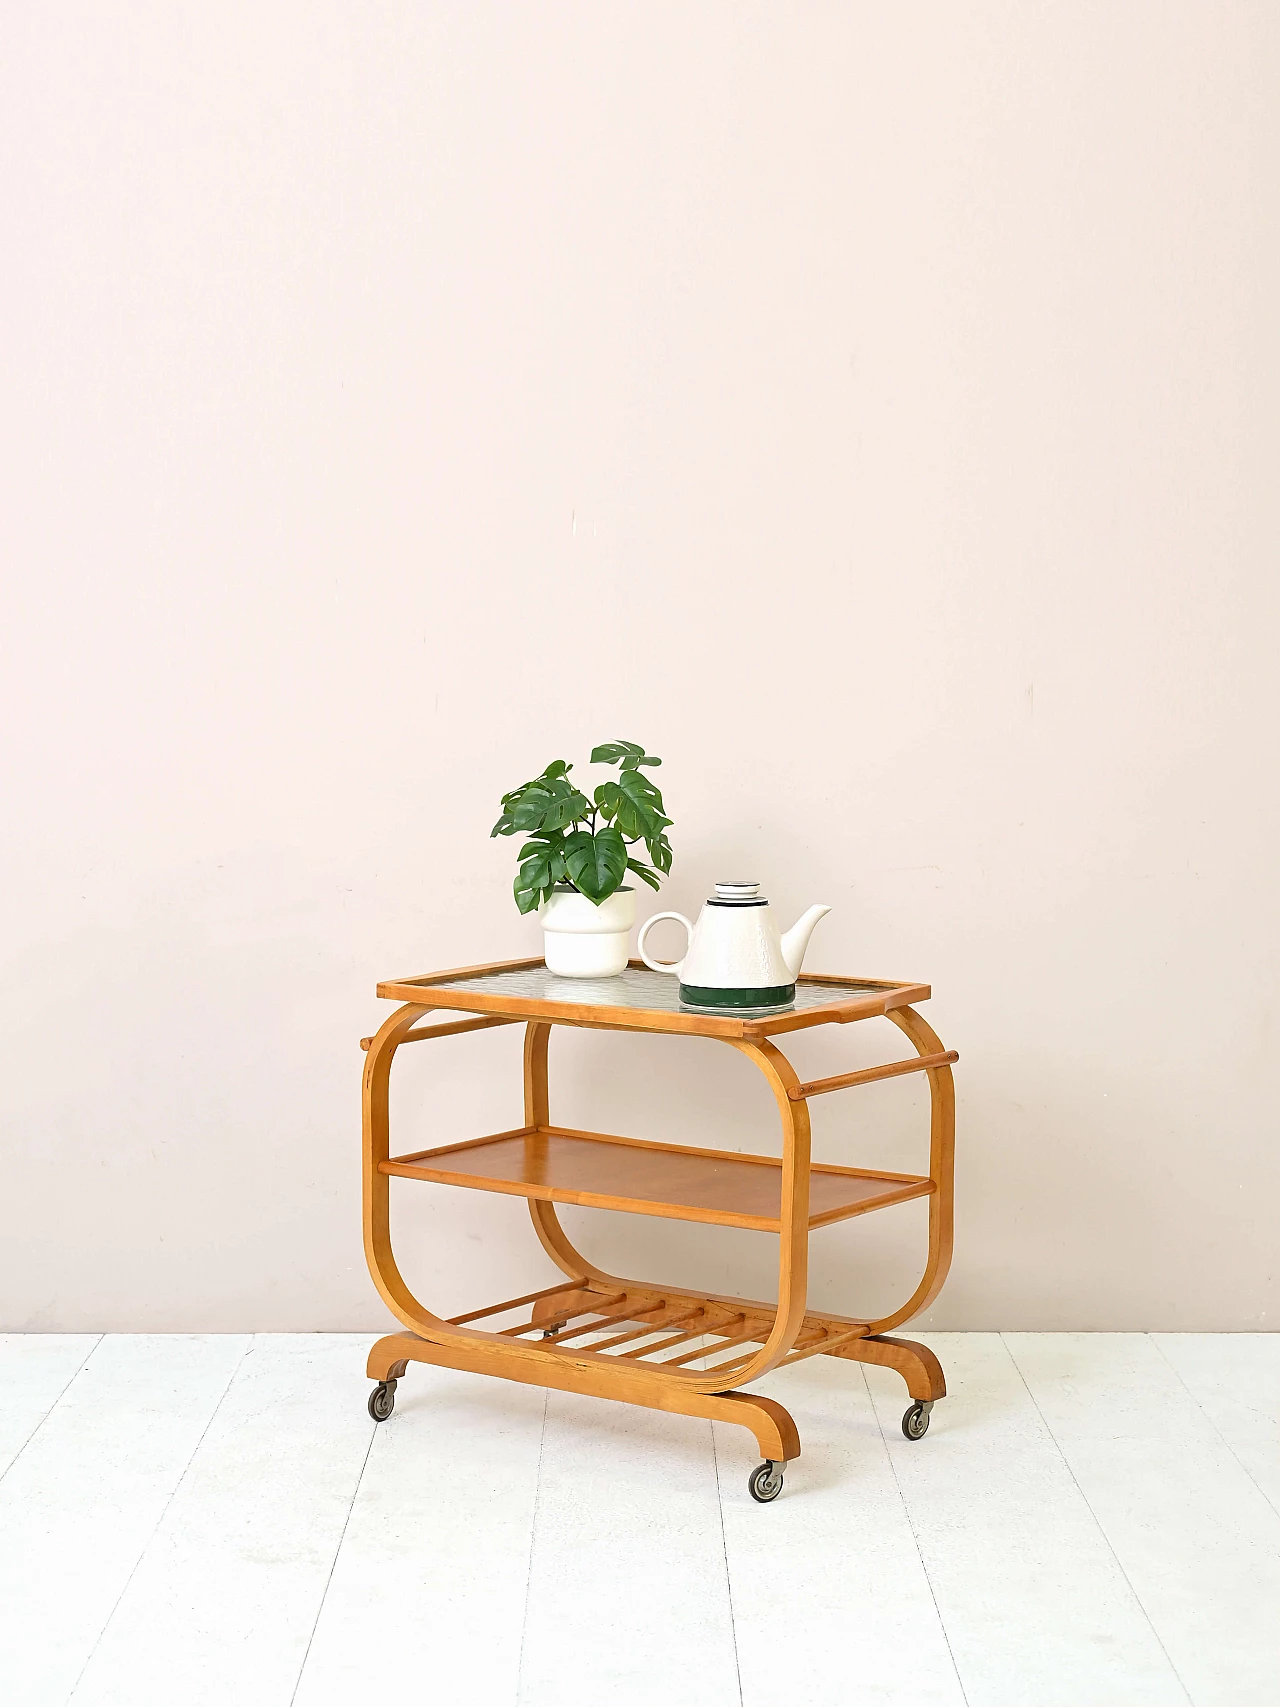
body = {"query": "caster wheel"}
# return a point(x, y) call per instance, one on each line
point(765, 1481)
point(915, 1419)
point(382, 1401)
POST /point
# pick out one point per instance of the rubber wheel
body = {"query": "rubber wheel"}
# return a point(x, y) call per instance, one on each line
point(382, 1401)
point(765, 1482)
point(915, 1422)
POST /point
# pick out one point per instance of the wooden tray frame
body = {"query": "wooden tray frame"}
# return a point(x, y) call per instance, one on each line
point(773, 1335)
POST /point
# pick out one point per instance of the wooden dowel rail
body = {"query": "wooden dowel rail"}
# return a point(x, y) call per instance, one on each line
point(828, 1342)
point(694, 1333)
point(513, 1303)
point(652, 1328)
point(567, 1333)
point(707, 1351)
point(730, 1363)
point(868, 1075)
point(453, 1030)
point(601, 1304)
point(675, 1339)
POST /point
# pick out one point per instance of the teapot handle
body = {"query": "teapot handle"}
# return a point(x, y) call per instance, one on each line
point(672, 966)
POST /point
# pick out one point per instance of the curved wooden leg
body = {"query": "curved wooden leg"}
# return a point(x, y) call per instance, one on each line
point(391, 1356)
point(775, 1431)
point(916, 1364)
point(942, 1141)
point(537, 1112)
point(787, 1316)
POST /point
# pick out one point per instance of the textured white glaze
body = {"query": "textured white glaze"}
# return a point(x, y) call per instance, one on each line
point(736, 947)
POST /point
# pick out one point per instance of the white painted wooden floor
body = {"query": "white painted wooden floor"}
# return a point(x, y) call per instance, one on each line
point(1092, 1520)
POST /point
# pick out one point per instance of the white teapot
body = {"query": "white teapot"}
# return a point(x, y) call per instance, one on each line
point(736, 957)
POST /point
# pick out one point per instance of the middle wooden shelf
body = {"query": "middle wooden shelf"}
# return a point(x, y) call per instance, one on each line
point(731, 1188)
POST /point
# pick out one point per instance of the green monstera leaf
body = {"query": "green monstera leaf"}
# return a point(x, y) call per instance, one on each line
point(627, 752)
point(638, 813)
point(549, 802)
point(596, 864)
point(607, 798)
point(587, 843)
point(536, 877)
point(646, 873)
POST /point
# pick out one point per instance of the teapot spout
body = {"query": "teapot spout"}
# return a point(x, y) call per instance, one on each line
point(796, 940)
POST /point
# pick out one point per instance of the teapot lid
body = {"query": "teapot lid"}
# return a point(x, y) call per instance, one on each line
point(737, 894)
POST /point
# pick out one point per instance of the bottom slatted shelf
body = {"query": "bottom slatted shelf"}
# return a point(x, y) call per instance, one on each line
point(667, 1332)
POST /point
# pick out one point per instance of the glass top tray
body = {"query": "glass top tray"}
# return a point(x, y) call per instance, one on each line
point(643, 999)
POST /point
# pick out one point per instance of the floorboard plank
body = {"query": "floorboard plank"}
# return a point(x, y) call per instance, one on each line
point(1196, 1537)
point(224, 1601)
point(81, 1503)
point(35, 1369)
point(431, 1579)
point(1033, 1601)
point(830, 1600)
point(1235, 1379)
point(627, 1536)
point(214, 1520)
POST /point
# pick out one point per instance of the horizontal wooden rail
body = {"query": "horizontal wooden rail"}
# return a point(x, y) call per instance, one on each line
point(729, 1364)
point(707, 1351)
point(827, 1343)
point(652, 1328)
point(458, 1026)
point(569, 1333)
point(868, 1075)
point(601, 1303)
point(698, 1331)
point(511, 1303)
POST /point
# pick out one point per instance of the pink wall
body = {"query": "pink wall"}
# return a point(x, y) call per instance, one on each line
point(869, 408)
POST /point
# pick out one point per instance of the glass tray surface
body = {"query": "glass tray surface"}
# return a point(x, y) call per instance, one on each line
point(636, 987)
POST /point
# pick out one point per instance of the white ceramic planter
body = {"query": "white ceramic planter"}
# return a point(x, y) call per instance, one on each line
point(582, 940)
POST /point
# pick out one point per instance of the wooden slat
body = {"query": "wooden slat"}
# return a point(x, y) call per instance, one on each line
point(452, 1030)
point(675, 1339)
point(723, 1368)
point(514, 1303)
point(869, 1075)
point(710, 1350)
point(813, 1345)
point(693, 1334)
point(649, 1328)
point(599, 1327)
point(528, 1327)
point(828, 1342)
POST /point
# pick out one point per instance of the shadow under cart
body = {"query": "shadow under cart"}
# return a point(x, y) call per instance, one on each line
point(654, 1334)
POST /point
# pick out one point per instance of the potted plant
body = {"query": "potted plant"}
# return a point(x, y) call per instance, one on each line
point(572, 867)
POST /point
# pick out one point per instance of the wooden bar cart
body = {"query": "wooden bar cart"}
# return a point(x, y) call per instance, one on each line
point(654, 1335)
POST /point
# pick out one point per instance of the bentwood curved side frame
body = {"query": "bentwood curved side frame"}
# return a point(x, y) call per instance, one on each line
point(653, 1336)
